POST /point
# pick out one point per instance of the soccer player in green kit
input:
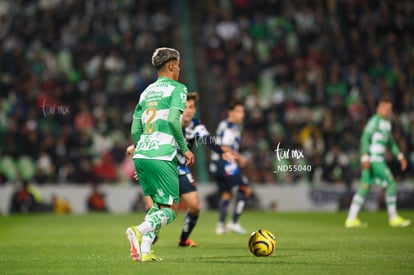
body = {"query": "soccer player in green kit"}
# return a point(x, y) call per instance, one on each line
point(156, 132)
point(376, 138)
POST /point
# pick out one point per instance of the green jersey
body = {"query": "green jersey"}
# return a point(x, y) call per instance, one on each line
point(376, 138)
point(153, 130)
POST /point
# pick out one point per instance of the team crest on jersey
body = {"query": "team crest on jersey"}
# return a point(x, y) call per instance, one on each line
point(183, 97)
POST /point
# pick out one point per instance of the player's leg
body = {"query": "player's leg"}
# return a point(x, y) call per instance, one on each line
point(189, 194)
point(148, 203)
point(133, 234)
point(165, 177)
point(150, 227)
point(162, 175)
point(190, 219)
point(384, 173)
point(226, 195)
point(243, 193)
point(150, 208)
point(358, 200)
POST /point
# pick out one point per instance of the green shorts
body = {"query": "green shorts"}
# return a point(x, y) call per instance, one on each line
point(378, 173)
point(158, 179)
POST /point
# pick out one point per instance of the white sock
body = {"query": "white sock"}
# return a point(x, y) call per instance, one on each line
point(356, 204)
point(391, 207)
point(145, 227)
point(240, 206)
point(146, 244)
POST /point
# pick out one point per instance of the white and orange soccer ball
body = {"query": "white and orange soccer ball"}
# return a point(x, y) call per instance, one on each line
point(262, 243)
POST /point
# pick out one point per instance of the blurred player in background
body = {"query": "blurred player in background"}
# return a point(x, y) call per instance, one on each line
point(228, 173)
point(376, 138)
point(156, 131)
point(195, 133)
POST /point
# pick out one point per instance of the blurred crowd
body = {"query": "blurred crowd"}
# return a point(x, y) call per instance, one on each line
point(71, 73)
point(310, 73)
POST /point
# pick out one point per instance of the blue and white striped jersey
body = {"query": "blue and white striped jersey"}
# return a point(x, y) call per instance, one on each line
point(229, 135)
point(194, 131)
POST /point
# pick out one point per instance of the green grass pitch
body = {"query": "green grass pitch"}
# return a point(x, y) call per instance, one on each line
point(307, 243)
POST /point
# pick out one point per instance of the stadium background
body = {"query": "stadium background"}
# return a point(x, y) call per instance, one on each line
point(310, 73)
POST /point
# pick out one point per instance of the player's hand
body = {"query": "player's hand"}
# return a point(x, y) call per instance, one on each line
point(130, 151)
point(366, 164)
point(189, 157)
point(136, 176)
point(242, 161)
point(403, 163)
point(229, 156)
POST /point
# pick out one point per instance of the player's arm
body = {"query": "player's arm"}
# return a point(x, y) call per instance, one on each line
point(202, 136)
point(129, 152)
point(137, 127)
point(393, 146)
point(229, 155)
point(178, 100)
point(212, 144)
point(365, 141)
point(227, 140)
point(396, 152)
point(174, 122)
point(175, 125)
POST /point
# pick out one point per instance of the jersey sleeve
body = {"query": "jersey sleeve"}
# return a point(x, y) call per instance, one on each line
point(174, 121)
point(202, 136)
point(393, 146)
point(228, 138)
point(179, 98)
point(367, 133)
point(137, 127)
point(200, 131)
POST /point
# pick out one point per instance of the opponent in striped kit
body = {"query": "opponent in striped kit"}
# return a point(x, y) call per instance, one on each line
point(228, 173)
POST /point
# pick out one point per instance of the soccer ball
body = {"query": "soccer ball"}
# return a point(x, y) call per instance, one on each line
point(262, 243)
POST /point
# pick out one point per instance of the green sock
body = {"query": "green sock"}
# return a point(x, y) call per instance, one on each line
point(161, 218)
point(152, 210)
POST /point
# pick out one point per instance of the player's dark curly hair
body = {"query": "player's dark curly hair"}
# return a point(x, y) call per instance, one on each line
point(234, 103)
point(385, 97)
point(192, 96)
